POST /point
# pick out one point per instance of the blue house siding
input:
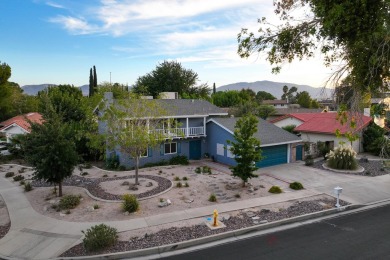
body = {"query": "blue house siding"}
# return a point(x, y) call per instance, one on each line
point(156, 154)
point(218, 135)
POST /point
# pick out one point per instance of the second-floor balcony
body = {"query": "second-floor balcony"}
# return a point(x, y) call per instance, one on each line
point(182, 132)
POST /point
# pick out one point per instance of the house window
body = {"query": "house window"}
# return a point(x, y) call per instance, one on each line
point(229, 153)
point(220, 149)
point(170, 148)
point(145, 153)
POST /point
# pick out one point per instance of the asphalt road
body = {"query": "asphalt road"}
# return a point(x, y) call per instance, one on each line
point(363, 235)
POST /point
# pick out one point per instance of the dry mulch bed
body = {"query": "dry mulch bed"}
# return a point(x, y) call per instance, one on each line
point(371, 168)
point(177, 234)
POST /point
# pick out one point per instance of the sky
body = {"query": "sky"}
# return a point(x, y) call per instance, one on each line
point(58, 41)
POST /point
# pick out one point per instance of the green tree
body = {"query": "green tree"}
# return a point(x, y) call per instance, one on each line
point(214, 88)
point(5, 73)
point(130, 124)
point(95, 84)
point(228, 98)
point(171, 76)
point(243, 109)
point(91, 83)
point(263, 95)
point(50, 150)
point(264, 111)
point(289, 128)
point(289, 94)
point(304, 99)
point(352, 33)
point(246, 148)
point(372, 138)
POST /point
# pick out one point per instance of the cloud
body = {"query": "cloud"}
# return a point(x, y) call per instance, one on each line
point(55, 5)
point(75, 25)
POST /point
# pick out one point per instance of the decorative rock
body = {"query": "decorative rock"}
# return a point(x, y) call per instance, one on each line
point(126, 213)
point(169, 202)
point(62, 215)
point(255, 222)
point(263, 221)
point(250, 214)
point(90, 209)
point(189, 201)
point(251, 189)
point(45, 208)
point(255, 218)
point(225, 217)
point(162, 204)
point(52, 201)
point(149, 184)
point(255, 188)
point(133, 188)
point(125, 183)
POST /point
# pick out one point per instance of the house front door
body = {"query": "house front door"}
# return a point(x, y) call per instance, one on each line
point(195, 150)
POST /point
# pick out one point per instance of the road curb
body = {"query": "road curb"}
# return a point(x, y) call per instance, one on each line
point(233, 235)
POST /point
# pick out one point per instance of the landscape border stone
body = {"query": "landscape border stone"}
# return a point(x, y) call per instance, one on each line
point(360, 169)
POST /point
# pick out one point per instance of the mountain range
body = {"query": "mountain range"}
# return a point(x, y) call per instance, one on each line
point(34, 89)
point(276, 88)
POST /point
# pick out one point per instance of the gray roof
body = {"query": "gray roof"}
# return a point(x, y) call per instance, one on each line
point(286, 111)
point(267, 133)
point(189, 107)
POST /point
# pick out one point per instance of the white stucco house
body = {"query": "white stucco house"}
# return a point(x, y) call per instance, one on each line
point(19, 125)
point(321, 127)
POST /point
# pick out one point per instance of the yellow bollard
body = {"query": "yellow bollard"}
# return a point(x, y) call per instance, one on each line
point(215, 214)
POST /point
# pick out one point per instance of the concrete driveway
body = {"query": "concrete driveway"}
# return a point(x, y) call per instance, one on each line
point(356, 189)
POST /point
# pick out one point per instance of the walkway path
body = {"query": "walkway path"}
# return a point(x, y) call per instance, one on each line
point(33, 236)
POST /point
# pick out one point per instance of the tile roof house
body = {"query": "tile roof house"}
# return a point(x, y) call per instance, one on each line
point(19, 124)
point(277, 103)
point(199, 130)
point(278, 146)
point(321, 127)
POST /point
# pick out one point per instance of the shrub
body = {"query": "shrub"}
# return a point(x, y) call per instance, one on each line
point(180, 159)
point(176, 179)
point(160, 163)
point(122, 168)
point(87, 166)
point(18, 178)
point(186, 185)
point(84, 173)
point(96, 206)
point(237, 195)
point(22, 182)
point(99, 237)
point(185, 178)
point(9, 174)
point(27, 187)
point(21, 170)
point(198, 170)
point(105, 176)
point(323, 149)
point(112, 162)
point(130, 203)
point(275, 189)
point(206, 169)
point(309, 160)
point(179, 185)
point(69, 201)
point(342, 158)
point(296, 185)
point(213, 198)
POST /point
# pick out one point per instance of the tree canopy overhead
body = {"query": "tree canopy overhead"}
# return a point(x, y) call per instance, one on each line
point(352, 32)
point(171, 76)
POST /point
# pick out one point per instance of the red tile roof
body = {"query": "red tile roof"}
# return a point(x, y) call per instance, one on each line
point(327, 123)
point(300, 116)
point(21, 121)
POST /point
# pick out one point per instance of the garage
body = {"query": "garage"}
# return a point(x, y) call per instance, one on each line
point(273, 155)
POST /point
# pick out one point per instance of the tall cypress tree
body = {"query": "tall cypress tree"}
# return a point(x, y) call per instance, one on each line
point(214, 88)
point(94, 78)
point(91, 83)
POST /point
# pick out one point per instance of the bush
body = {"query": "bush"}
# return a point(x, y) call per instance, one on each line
point(87, 166)
point(176, 178)
point(296, 185)
point(22, 182)
point(186, 185)
point(323, 149)
point(179, 185)
point(27, 187)
point(309, 160)
point(18, 178)
point(160, 163)
point(84, 173)
point(112, 163)
point(180, 159)
point(9, 174)
point(213, 198)
point(122, 168)
point(130, 203)
point(275, 189)
point(185, 178)
point(99, 237)
point(342, 158)
point(206, 169)
point(198, 170)
point(96, 206)
point(69, 202)
point(105, 176)
point(237, 195)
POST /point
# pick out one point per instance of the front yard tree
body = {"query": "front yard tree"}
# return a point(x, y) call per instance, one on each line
point(246, 148)
point(130, 127)
point(49, 150)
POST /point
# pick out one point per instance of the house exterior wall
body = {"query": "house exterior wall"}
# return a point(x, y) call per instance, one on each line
point(12, 131)
point(288, 121)
point(217, 135)
point(156, 154)
point(314, 138)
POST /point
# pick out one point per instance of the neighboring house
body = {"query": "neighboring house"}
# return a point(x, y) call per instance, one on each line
point(187, 138)
point(379, 119)
point(202, 129)
point(278, 146)
point(19, 125)
point(291, 110)
point(277, 103)
point(321, 127)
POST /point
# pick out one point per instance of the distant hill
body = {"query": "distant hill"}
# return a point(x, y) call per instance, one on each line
point(34, 89)
point(276, 88)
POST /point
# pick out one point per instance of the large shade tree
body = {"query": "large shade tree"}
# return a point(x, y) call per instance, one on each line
point(353, 33)
point(245, 147)
point(50, 150)
point(171, 76)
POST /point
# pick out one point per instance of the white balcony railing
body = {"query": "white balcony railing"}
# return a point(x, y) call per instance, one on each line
point(182, 132)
